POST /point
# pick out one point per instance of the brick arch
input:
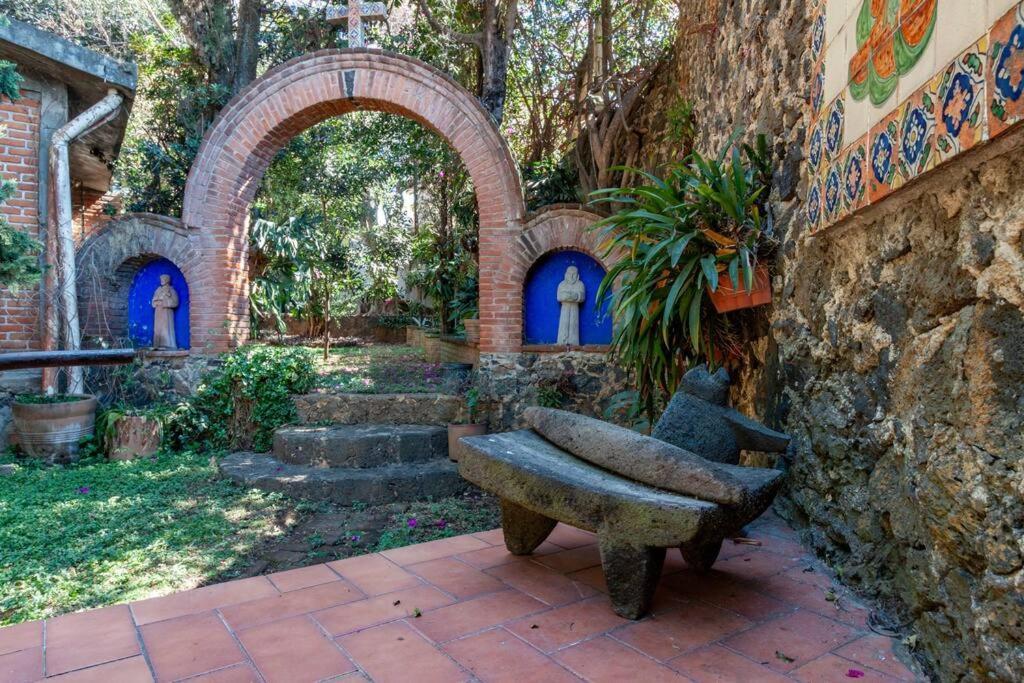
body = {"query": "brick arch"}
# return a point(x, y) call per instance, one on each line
point(558, 227)
point(109, 258)
point(290, 98)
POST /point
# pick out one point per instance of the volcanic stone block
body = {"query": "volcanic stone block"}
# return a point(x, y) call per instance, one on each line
point(699, 419)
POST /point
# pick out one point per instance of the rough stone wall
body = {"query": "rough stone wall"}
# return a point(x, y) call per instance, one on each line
point(509, 384)
point(895, 358)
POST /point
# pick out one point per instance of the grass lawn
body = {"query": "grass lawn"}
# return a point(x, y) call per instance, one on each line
point(382, 369)
point(97, 534)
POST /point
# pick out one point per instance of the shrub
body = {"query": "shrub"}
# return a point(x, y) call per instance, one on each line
point(239, 404)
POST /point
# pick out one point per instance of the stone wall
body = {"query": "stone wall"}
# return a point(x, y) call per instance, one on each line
point(896, 352)
point(509, 384)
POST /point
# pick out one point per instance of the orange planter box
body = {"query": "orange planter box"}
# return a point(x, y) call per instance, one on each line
point(729, 298)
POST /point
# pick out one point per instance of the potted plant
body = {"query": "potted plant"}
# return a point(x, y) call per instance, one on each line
point(689, 248)
point(50, 426)
point(472, 428)
point(127, 434)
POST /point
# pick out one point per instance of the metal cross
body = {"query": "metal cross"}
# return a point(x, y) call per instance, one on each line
point(355, 13)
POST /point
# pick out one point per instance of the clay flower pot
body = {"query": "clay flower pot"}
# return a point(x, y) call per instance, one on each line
point(729, 297)
point(472, 326)
point(456, 432)
point(52, 430)
point(135, 437)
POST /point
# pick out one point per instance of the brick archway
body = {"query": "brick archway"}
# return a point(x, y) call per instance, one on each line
point(290, 98)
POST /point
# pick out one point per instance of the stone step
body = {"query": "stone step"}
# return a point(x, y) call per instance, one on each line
point(345, 486)
point(360, 446)
point(380, 409)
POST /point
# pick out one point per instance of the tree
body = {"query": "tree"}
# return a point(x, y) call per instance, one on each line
point(492, 40)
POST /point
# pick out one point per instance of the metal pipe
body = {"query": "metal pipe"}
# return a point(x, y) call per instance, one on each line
point(21, 360)
point(61, 228)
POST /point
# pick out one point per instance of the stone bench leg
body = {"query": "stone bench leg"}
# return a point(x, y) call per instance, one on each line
point(524, 529)
point(701, 552)
point(632, 573)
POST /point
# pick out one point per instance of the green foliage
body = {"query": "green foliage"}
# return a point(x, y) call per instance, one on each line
point(99, 533)
point(240, 403)
point(472, 403)
point(10, 80)
point(677, 236)
point(550, 181)
point(423, 522)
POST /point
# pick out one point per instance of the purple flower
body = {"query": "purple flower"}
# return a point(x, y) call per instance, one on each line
point(83, 490)
point(412, 523)
point(356, 539)
point(441, 524)
point(854, 673)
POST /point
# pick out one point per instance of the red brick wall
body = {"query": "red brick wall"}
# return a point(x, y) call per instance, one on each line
point(19, 145)
point(89, 211)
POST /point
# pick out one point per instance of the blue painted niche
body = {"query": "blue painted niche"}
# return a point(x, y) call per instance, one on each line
point(541, 309)
point(140, 308)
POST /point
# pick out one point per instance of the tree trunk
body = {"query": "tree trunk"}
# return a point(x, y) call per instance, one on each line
point(247, 43)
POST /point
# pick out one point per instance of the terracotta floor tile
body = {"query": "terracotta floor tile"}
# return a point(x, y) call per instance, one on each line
point(840, 607)
point(603, 660)
point(716, 664)
point(721, 591)
point(498, 555)
point(497, 656)
point(817, 577)
point(21, 637)
point(543, 583)
point(572, 560)
point(372, 611)
point(754, 564)
point(592, 576)
point(674, 562)
point(801, 637)
point(202, 599)
point(294, 650)
point(303, 577)
point(571, 537)
point(395, 652)
point(492, 537)
point(22, 666)
point(445, 547)
point(240, 673)
point(456, 578)
point(374, 575)
point(680, 626)
point(75, 641)
point(477, 614)
point(564, 626)
point(189, 645)
point(832, 668)
point(877, 653)
point(291, 604)
point(131, 670)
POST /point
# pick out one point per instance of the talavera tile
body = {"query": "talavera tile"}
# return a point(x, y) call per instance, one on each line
point(1005, 79)
point(961, 121)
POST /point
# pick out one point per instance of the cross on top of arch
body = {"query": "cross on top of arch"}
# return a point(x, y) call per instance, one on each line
point(354, 13)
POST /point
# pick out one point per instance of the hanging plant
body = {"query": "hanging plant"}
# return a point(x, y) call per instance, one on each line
point(701, 232)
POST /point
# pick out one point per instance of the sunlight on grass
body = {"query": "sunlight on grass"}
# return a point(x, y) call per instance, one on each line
point(80, 537)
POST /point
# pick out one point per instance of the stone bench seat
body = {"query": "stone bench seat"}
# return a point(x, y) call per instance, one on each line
point(540, 485)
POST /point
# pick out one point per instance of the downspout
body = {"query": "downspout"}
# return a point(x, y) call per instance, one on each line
point(61, 229)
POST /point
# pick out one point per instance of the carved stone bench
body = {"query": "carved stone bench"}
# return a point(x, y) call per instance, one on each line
point(540, 485)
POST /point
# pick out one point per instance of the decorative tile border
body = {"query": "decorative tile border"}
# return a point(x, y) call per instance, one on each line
point(881, 130)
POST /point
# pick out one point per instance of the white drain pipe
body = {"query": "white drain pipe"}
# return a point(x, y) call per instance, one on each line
point(61, 227)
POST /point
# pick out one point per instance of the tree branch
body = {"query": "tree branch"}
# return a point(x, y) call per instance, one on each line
point(464, 38)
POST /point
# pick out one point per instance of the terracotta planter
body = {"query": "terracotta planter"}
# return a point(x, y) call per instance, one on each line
point(432, 347)
point(135, 437)
point(52, 430)
point(456, 432)
point(730, 298)
point(472, 326)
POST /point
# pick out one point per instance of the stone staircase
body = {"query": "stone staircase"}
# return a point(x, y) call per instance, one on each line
point(348, 448)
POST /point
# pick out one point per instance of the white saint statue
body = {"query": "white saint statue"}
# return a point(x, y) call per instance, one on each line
point(165, 300)
point(571, 294)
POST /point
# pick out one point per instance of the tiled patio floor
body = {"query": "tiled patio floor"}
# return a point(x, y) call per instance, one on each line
point(463, 609)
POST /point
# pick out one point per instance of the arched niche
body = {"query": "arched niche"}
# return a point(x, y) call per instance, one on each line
point(541, 309)
point(140, 296)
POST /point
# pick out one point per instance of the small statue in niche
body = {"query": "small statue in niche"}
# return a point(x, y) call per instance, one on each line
point(571, 293)
point(165, 300)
